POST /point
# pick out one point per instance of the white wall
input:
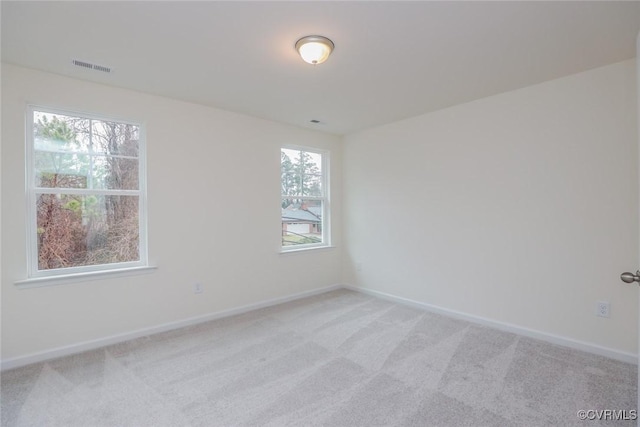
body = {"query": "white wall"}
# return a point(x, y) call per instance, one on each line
point(520, 208)
point(210, 173)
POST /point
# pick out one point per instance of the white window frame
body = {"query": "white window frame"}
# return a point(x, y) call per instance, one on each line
point(326, 200)
point(37, 277)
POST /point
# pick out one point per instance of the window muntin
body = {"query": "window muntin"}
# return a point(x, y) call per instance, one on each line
point(304, 199)
point(86, 189)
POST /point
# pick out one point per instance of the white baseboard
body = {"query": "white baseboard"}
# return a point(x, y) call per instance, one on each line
point(114, 339)
point(507, 327)
point(138, 333)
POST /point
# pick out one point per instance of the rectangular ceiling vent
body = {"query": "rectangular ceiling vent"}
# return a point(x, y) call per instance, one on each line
point(90, 66)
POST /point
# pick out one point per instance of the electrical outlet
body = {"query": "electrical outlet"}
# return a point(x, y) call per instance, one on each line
point(603, 309)
point(197, 288)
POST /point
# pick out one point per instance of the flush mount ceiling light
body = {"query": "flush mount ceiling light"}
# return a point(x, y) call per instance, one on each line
point(314, 49)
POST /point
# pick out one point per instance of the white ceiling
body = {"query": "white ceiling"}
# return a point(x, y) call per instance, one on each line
point(392, 59)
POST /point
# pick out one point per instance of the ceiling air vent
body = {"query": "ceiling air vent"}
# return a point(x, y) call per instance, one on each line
point(90, 66)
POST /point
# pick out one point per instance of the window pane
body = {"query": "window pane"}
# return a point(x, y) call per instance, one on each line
point(79, 230)
point(289, 154)
point(301, 173)
point(57, 132)
point(289, 179)
point(113, 138)
point(61, 170)
point(315, 160)
point(115, 173)
point(301, 221)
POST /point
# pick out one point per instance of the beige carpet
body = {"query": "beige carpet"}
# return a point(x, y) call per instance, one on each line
point(337, 359)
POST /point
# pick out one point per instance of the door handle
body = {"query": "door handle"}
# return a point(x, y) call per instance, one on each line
point(630, 277)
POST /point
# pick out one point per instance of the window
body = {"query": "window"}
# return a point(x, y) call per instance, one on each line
point(304, 201)
point(86, 188)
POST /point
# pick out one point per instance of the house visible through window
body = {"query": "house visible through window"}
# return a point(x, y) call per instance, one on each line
point(86, 188)
point(304, 200)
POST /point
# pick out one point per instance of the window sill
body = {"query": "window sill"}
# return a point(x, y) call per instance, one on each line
point(37, 282)
point(303, 250)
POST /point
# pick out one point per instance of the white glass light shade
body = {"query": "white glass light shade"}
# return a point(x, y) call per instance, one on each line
point(314, 49)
